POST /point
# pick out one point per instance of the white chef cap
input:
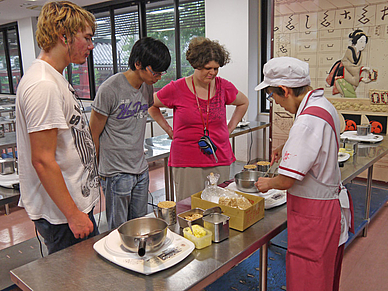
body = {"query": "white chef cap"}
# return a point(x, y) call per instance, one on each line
point(286, 71)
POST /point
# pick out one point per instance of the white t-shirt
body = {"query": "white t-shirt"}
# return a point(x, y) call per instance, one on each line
point(45, 101)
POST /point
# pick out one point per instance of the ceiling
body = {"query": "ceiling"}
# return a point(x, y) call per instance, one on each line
point(13, 10)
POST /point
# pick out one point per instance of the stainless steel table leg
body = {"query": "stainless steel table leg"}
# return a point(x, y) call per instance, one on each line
point(263, 267)
point(368, 198)
point(172, 198)
point(6, 209)
point(265, 143)
point(166, 180)
point(152, 129)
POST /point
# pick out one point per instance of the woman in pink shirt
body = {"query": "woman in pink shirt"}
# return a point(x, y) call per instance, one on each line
point(199, 105)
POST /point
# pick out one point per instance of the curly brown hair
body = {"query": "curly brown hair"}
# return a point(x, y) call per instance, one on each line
point(61, 18)
point(203, 50)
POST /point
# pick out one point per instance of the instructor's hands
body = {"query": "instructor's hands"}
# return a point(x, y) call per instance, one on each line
point(263, 184)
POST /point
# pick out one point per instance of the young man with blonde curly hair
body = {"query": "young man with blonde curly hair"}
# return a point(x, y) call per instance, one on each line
point(57, 158)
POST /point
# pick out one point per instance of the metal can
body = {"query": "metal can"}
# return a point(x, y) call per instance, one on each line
point(167, 211)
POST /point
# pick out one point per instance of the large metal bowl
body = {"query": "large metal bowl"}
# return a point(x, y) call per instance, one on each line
point(143, 234)
point(245, 181)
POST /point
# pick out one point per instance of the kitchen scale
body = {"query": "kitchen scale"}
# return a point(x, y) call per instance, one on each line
point(174, 249)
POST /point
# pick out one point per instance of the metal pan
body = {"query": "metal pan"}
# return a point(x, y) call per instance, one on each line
point(143, 234)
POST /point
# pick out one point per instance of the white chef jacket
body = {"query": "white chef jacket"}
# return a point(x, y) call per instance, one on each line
point(312, 148)
point(312, 144)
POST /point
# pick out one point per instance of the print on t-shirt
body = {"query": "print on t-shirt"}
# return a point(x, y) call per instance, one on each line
point(132, 109)
point(85, 147)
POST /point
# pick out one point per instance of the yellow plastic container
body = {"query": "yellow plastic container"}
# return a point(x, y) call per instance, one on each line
point(347, 151)
point(199, 242)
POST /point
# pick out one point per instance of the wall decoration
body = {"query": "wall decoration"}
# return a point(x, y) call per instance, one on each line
point(318, 32)
point(345, 75)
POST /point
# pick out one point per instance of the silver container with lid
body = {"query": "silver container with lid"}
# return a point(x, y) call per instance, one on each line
point(217, 223)
point(363, 129)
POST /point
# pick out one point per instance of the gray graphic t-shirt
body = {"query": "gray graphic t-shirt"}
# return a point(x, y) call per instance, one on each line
point(122, 140)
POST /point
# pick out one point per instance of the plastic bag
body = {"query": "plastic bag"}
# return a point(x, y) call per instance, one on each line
point(234, 200)
point(212, 192)
point(223, 196)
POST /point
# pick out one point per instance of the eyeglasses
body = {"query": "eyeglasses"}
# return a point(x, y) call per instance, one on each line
point(159, 74)
point(269, 97)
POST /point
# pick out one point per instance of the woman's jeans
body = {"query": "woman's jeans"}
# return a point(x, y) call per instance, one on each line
point(126, 197)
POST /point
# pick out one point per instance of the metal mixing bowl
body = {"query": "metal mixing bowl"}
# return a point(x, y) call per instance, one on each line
point(143, 234)
point(245, 181)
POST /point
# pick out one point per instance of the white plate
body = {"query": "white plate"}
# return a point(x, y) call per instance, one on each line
point(352, 135)
point(342, 157)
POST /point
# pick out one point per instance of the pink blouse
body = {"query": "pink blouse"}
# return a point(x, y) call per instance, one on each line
point(188, 126)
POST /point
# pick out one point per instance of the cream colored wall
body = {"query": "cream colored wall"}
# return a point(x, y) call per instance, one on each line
point(28, 45)
point(235, 25)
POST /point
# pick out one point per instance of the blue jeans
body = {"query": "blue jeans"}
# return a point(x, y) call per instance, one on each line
point(59, 236)
point(126, 197)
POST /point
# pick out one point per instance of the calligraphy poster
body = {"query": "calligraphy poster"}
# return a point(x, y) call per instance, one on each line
point(308, 22)
point(353, 34)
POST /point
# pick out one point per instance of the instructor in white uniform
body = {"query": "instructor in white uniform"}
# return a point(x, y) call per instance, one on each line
point(318, 207)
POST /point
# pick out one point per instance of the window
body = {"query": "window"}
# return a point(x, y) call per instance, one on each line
point(4, 81)
point(161, 25)
point(127, 33)
point(10, 68)
point(102, 52)
point(118, 29)
point(192, 23)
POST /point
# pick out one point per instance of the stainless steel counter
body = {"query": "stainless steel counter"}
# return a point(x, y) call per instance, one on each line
point(367, 155)
point(7, 196)
point(80, 268)
point(158, 147)
point(151, 121)
point(252, 126)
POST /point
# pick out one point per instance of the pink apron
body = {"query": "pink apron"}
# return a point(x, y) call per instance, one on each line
point(313, 260)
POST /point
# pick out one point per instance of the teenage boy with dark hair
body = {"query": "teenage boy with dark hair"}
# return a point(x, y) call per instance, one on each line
point(118, 122)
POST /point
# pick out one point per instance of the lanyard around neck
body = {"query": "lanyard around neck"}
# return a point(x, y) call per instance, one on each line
point(205, 128)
